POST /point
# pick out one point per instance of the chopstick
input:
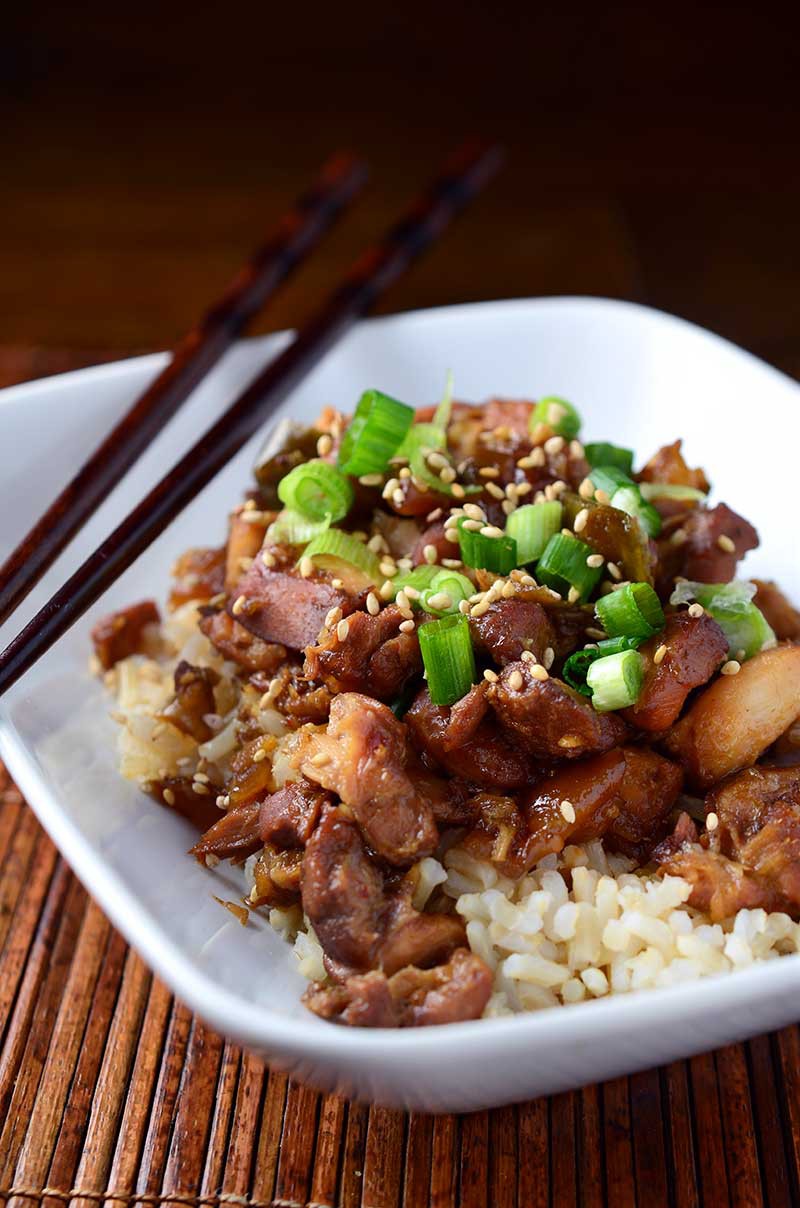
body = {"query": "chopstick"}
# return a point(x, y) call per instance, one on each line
point(373, 272)
point(296, 234)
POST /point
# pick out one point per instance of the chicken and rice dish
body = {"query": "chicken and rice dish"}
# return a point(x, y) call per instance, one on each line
point(484, 713)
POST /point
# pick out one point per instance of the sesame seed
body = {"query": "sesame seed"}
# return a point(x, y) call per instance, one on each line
point(725, 543)
point(539, 672)
point(398, 498)
point(434, 515)
point(404, 473)
point(249, 505)
point(377, 544)
point(575, 449)
point(491, 676)
point(407, 626)
point(219, 599)
point(508, 506)
point(696, 610)
point(412, 592)
point(732, 667)
point(338, 584)
point(509, 590)
point(573, 595)
point(452, 563)
point(580, 520)
point(324, 444)
point(548, 658)
point(613, 570)
point(342, 629)
point(387, 590)
point(371, 480)
point(388, 568)
point(602, 497)
point(201, 789)
point(451, 535)
point(268, 559)
point(463, 607)
point(222, 801)
point(741, 655)
point(489, 472)
point(586, 489)
point(430, 554)
point(555, 412)
point(524, 488)
point(491, 530)
point(596, 633)
point(168, 796)
point(658, 657)
point(528, 656)
point(495, 491)
point(390, 488)
point(595, 560)
point(567, 811)
point(260, 755)
point(373, 604)
point(448, 475)
point(554, 445)
point(474, 526)
point(480, 608)
point(712, 821)
point(306, 567)
point(474, 512)
point(477, 597)
point(457, 488)
point(320, 759)
point(239, 605)
point(515, 681)
point(405, 564)
point(679, 537)
point(437, 461)
point(202, 777)
point(511, 490)
point(441, 601)
point(539, 433)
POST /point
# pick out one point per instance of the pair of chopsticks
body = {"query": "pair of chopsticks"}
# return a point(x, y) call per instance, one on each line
point(371, 275)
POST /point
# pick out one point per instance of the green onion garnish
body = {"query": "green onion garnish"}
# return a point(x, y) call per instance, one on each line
point(615, 680)
point(420, 578)
point(731, 605)
point(577, 665)
point(600, 453)
point(629, 499)
point(563, 566)
point(632, 611)
point(375, 433)
point(448, 588)
point(291, 528)
point(558, 414)
point(670, 490)
point(441, 416)
point(448, 656)
point(316, 489)
point(610, 479)
point(497, 554)
point(532, 526)
point(342, 553)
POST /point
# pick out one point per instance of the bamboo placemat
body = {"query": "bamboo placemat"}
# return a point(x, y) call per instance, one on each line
point(112, 1093)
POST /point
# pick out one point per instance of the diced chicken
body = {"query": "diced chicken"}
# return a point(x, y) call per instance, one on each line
point(277, 875)
point(236, 643)
point(646, 799)
point(465, 717)
point(199, 574)
point(178, 795)
point(412, 937)
point(374, 656)
point(281, 606)
point(781, 615)
point(361, 755)
point(486, 758)
point(510, 627)
point(694, 649)
point(732, 722)
point(573, 805)
point(245, 538)
point(192, 702)
point(668, 465)
point(235, 836)
point(289, 816)
point(716, 539)
point(123, 633)
point(549, 719)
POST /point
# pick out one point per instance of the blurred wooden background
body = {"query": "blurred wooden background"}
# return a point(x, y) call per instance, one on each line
point(145, 148)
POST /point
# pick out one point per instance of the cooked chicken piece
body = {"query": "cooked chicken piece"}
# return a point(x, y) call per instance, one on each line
point(695, 648)
point(734, 721)
point(549, 719)
point(573, 805)
point(486, 758)
point(288, 817)
point(236, 643)
point(299, 699)
point(277, 877)
point(465, 716)
point(412, 937)
point(646, 798)
point(740, 800)
point(434, 535)
point(361, 755)
point(199, 574)
point(245, 538)
point(198, 808)
point(235, 836)
point(192, 702)
point(281, 606)
point(511, 626)
point(781, 615)
point(374, 656)
point(668, 465)
point(123, 633)
point(706, 554)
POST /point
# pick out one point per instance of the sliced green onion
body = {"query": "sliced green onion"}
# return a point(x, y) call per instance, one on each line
point(342, 554)
point(441, 416)
point(731, 605)
point(577, 665)
point(448, 656)
point(290, 528)
point(448, 588)
point(616, 680)
point(601, 453)
point(632, 611)
point(610, 479)
point(375, 433)
point(563, 566)
point(316, 489)
point(558, 414)
point(629, 499)
point(497, 554)
point(421, 440)
point(670, 490)
point(420, 578)
point(532, 526)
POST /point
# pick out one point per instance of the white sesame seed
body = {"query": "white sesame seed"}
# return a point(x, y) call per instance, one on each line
point(679, 537)
point(404, 473)
point(548, 658)
point(371, 480)
point(260, 755)
point(555, 413)
point(528, 656)
point(402, 601)
point(448, 475)
point(489, 472)
point(412, 592)
point(168, 796)
point(474, 512)
point(320, 759)
point(573, 595)
point(430, 554)
point(407, 626)
point(377, 544)
point(398, 498)
point(567, 811)
point(342, 629)
point(452, 563)
point(613, 570)
point(725, 543)
point(539, 433)
point(575, 449)
point(473, 526)
point(480, 608)
point(390, 488)
point(249, 505)
point(658, 657)
point(732, 667)
point(491, 530)
point(515, 681)
point(741, 655)
point(712, 821)
point(580, 520)
point(239, 605)
point(524, 488)
point(324, 444)
point(586, 489)
point(202, 790)
point(595, 560)
point(457, 488)
point(338, 584)
point(495, 491)
point(602, 497)
point(268, 559)
point(388, 568)
point(434, 515)
point(696, 610)
point(437, 461)
point(509, 590)
point(202, 777)
point(539, 672)
point(441, 601)
point(491, 676)
point(373, 604)
point(554, 445)
point(306, 567)
point(508, 506)
point(463, 607)
point(387, 590)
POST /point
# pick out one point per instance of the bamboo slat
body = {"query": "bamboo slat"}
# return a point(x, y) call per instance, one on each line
point(113, 1096)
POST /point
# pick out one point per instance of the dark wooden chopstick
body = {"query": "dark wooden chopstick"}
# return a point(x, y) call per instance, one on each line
point(297, 233)
point(463, 176)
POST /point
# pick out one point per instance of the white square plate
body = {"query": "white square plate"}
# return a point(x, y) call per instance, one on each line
point(638, 377)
